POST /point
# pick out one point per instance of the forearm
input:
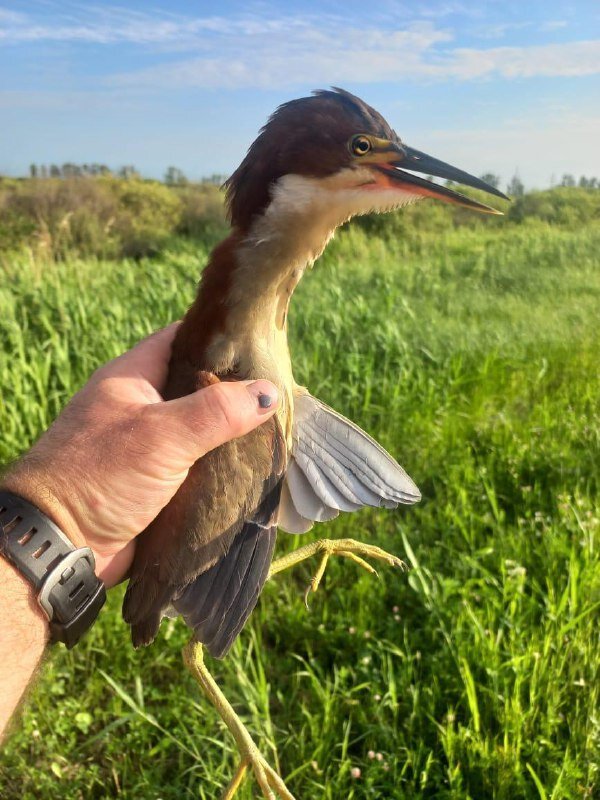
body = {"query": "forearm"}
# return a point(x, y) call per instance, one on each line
point(24, 633)
point(24, 629)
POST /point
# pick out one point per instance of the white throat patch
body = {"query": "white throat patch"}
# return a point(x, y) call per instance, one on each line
point(317, 206)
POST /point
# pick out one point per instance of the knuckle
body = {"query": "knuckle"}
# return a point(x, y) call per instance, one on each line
point(140, 434)
point(147, 422)
point(102, 373)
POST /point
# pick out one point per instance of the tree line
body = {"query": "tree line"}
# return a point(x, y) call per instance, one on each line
point(516, 188)
point(173, 175)
point(176, 177)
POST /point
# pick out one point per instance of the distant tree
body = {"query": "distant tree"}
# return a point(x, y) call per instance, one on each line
point(515, 187)
point(567, 180)
point(588, 183)
point(216, 178)
point(54, 171)
point(70, 170)
point(175, 177)
point(493, 180)
point(128, 171)
point(33, 170)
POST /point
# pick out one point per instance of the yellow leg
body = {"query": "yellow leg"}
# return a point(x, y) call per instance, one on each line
point(236, 781)
point(349, 548)
point(269, 781)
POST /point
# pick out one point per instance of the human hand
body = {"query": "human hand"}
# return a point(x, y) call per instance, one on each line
point(118, 453)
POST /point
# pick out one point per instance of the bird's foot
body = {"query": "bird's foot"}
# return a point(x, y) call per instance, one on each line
point(272, 786)
point(349, 548)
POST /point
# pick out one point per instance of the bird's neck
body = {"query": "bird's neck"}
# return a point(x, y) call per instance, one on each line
point(239, 320)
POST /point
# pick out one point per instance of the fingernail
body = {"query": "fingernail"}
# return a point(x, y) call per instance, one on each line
point(265, 393)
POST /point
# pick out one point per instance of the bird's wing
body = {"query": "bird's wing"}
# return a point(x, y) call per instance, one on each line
point(207, 554)
point(335, 466)
point(217, 603)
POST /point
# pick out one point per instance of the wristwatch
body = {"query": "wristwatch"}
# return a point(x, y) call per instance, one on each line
point(68, 590)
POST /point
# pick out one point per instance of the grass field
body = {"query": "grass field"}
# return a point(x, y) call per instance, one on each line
point(473, 357)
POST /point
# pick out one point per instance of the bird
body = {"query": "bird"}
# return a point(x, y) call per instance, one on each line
point(318, 161)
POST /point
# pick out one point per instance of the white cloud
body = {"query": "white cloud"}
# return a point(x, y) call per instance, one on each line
point(366, 56)
point(8, 17)
point(257, 51)
point(550, 60)
point(500, 29)
point(110, 25)
point(554, 24)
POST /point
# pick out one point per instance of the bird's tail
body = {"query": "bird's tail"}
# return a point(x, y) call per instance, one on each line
point(217, 603)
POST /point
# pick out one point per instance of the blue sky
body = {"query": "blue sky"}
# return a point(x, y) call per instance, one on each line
point(489, 86)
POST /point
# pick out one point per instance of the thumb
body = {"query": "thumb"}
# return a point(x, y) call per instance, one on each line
point(199, 422)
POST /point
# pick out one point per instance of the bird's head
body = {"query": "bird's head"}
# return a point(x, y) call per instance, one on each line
point(332, 150)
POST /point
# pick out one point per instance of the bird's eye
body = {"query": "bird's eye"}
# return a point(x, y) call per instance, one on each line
point(360, 145)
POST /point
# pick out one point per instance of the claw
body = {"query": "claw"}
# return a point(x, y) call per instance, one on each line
point(349, 548)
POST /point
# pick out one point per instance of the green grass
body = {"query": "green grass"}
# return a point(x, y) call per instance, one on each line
point(473, 356)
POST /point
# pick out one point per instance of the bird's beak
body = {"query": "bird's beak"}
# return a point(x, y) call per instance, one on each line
point(407, 158)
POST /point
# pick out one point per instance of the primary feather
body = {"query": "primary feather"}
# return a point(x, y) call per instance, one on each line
point(335, 466)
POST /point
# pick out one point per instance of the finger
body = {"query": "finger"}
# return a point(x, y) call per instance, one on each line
point(148, 360)
point(191, 426)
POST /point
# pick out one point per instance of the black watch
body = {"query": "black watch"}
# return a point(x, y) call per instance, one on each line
point(68, 590)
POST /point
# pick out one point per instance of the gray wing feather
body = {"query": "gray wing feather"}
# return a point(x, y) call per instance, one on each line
point(289, 519)
point(336, 466)
point(307, 501)
point(344, 478)
point(359, 454)
point(323, 487)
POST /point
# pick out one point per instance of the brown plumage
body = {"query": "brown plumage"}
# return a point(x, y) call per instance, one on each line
point(231, 493)
point(311, 136)
point(206, 555)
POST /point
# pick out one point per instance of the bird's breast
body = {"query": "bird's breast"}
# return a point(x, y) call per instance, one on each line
point(254, 354)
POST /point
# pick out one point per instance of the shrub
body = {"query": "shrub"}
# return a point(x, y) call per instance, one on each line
point(148, 214)
point(559, 206)
point(56, 217)
point(203, 211)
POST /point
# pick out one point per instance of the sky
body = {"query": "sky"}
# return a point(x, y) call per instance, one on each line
point(502, 86)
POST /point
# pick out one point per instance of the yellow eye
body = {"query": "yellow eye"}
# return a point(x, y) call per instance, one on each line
point(360, 145)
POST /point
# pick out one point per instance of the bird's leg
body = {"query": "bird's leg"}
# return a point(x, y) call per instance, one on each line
point(349, 548)
point(269, 781)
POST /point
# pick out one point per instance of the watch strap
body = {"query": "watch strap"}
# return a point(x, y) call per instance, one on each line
point(67, 588)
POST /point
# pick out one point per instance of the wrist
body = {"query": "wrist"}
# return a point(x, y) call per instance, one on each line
point(32, 485)
point(56, 499)
point(18, 594)
point(62, 576)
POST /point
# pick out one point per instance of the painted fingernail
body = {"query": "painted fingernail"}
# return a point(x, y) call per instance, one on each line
point(265, 394)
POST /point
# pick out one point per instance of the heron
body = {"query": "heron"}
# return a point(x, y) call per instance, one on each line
point(317, 162)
